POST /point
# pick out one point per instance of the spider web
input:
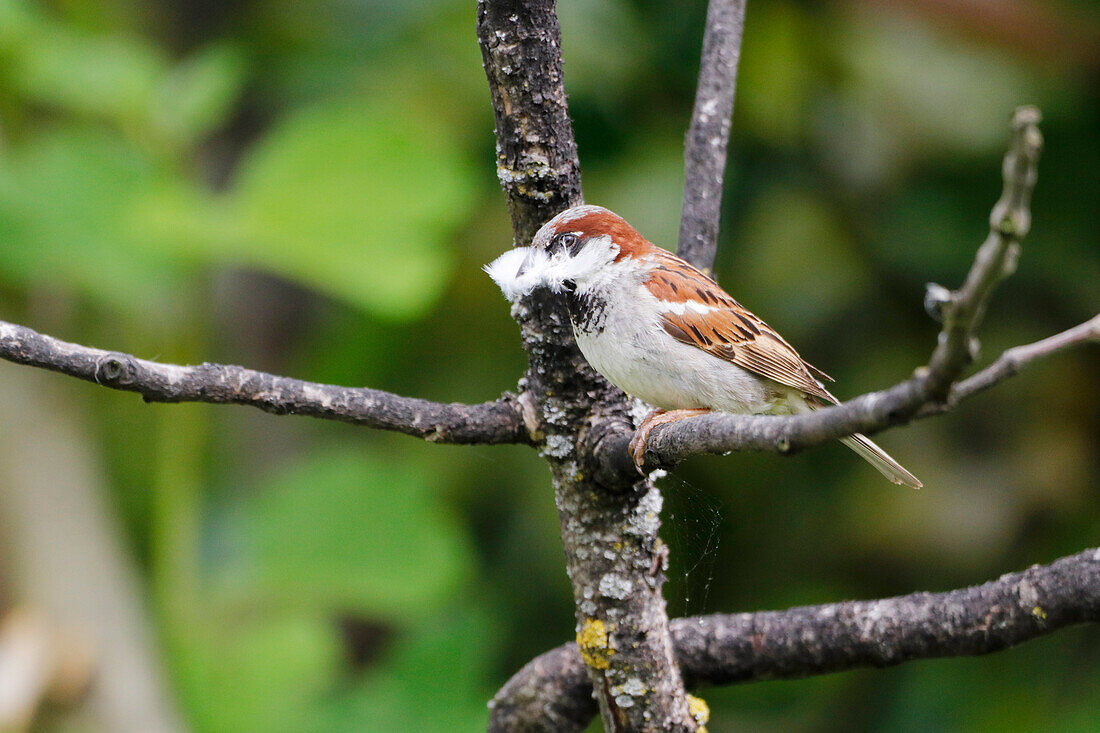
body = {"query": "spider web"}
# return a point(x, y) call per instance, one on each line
point(691, 526)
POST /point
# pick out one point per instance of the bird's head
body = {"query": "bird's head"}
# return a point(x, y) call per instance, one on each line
point(576, 248)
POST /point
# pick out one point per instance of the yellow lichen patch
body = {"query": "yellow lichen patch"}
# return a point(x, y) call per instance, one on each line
point(595, 647)
point(699, 710)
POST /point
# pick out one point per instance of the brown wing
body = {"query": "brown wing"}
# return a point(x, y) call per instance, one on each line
point(727, 329)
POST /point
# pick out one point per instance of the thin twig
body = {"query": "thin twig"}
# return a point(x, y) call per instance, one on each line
point(1009, 221)
point(812, 640)
point(489, 422)
point(708, 136)
point(1014, 360)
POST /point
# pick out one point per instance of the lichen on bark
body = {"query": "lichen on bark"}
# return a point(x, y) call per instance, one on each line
point(609, 529)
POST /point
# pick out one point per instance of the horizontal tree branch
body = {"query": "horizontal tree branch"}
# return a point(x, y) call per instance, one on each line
point(551, 693)
point(501, 421)
point(869, 413)
point(708, 136)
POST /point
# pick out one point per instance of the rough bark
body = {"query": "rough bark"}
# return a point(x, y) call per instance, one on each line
point(536, 153)
point(609, 532)
point(551, 692)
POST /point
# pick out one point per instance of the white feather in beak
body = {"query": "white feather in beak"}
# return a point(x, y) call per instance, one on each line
point(519, 271)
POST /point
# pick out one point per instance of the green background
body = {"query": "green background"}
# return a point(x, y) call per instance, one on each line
point(308, 188)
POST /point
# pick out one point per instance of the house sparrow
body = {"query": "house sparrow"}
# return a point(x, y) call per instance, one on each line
point(661, 330)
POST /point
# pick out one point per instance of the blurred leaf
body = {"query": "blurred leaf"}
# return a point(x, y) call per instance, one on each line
point(932, 234)
point(791, 236)
point(18, 21)
point(99, 75)
point(349, 530)
point(776, 73)
point(933, 96)
point(356, 200)
point(287, 672)
point(645, 185)
point(602, 47)
point(197, 94)
point(437, 58)
point(260, 673)
point(343, 531)
point(67, 202)
point(434, 681)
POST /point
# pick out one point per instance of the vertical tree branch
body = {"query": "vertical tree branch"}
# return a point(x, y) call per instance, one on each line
point(536, 153)
point(1010, 220)
point(609, 532)
point(708, 135)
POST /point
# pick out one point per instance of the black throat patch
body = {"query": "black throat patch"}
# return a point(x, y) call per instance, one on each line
point(586, 310)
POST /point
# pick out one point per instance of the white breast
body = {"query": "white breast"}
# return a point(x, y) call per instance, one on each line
point(634, 353)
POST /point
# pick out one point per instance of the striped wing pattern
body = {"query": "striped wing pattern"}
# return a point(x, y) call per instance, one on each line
point(701, 314)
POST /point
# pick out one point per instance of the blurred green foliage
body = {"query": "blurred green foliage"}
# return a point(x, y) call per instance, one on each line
point(308, 188)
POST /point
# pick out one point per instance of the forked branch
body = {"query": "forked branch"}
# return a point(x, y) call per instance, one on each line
point(961, 311)
point(927, 392)
point(1015, 360)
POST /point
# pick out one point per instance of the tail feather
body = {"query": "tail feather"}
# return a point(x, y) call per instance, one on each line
point(878, 458)
point(862, 445)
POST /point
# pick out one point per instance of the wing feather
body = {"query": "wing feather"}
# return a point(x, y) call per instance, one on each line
point(701, 314)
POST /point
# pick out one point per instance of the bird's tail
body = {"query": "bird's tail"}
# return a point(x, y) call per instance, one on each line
point(878, 458)
point(867, 450)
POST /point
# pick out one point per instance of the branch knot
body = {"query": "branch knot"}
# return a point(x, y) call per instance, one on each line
point(115, 369)
point(936, 300)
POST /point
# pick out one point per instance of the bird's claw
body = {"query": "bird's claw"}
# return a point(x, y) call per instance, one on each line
point(637, 445)
point(637, 448)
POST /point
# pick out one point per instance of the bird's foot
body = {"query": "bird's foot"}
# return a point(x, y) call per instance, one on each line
point(657, 417)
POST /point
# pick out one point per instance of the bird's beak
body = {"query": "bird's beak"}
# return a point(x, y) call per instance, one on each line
point(526, 264)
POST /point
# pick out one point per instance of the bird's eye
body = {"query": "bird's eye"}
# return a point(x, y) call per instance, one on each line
point(566, 241)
